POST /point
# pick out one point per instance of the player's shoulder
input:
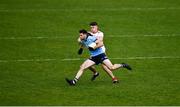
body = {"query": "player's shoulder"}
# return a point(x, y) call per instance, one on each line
point(100, 33)
point(89, 35)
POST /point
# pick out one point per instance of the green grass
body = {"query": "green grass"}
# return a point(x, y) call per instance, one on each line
point(152, 82)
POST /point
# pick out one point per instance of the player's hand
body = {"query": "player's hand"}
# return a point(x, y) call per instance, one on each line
point(80, 51)
point(91, 49)
point(92, 46)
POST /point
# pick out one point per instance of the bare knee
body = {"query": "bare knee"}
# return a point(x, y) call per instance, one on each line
point(112, 68)
point(105, 67)
point(82, 68)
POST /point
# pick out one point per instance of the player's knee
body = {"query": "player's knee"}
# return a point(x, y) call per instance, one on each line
point(112, 68)
point(82, 67)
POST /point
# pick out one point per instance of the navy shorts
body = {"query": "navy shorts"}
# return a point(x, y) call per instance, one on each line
point(99, 58)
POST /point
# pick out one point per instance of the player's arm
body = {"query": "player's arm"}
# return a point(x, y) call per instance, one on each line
point(98, 44)
point(95, 45)
point(99, 41)
point(80, 51)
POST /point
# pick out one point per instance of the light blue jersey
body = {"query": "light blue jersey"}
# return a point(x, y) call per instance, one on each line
point(89, 40)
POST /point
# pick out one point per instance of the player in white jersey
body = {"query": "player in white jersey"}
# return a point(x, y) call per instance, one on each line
point(99, 35)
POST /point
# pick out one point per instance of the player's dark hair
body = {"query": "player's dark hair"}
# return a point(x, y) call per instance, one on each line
point(89, 34)
point(93, 24)
point(83, 31)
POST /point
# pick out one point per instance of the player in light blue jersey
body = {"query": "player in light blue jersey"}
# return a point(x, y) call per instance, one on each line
point(90, 40)
point(97, 56)
point(94, 31)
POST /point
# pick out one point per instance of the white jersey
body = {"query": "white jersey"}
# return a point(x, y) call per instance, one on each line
point(97, 35)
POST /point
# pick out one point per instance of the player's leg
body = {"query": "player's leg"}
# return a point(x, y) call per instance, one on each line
point(109, 72)
point(95, 73)
point(111, 66)
point(88, 63)
point(92, 68)
point(108, 63)
point(84, 66)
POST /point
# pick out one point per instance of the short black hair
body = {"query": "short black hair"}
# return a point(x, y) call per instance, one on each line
point(93, 24)
point(83, 31)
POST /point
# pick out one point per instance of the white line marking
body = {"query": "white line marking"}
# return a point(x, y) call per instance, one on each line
point(130, 58)
point(151, 57)
point(109, 36)
point(150, 35)
point(37, 37)
point(72, 59)
point(92, 9)
point(28, 60)
point(78, 59)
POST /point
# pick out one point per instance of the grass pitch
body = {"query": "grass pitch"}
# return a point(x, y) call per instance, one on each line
point(37, 35)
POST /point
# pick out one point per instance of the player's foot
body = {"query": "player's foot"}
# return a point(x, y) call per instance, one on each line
point(94, 76)
point(70, 82)
point(115, 80)
point(126, 66)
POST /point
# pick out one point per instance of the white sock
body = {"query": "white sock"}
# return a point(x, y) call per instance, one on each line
point(75, 80)
point(96, 73)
